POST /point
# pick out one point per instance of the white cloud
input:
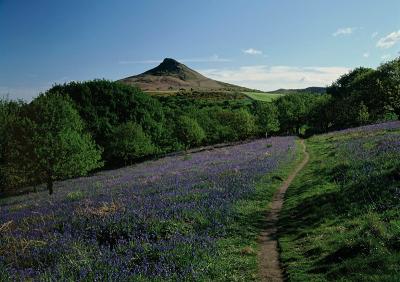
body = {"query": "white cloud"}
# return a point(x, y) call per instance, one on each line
point(252, 51)
point(366, 55)
point(271, 78)
point(386, 57)
point(374, 34)
point(210, 59)
point(344, 31)
point(389, 40)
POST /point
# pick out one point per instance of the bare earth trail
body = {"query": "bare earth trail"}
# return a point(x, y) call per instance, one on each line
point(269, 266)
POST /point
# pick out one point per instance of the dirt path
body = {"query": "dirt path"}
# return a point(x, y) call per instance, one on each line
point(269, 266)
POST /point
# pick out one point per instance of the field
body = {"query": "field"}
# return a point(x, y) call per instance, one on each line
point(187, 217)
point(260, 96)
point(341, 216)
point(200, 94)
point(266, 97)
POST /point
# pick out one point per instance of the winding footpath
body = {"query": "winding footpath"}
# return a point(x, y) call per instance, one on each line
point(269, 266)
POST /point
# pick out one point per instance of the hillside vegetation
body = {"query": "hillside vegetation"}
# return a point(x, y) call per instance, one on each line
point(192, 217)
point(341, 217)
point(128, 125)
point(263, 96)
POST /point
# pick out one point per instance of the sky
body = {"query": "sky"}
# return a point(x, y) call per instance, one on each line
point(259, 44)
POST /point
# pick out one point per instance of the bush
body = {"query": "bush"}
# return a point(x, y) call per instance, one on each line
point(129, 143)
point(189, 131)
point(243, 123)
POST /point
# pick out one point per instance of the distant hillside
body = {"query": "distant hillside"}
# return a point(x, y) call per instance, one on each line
point(316, 90)
point(171, 75)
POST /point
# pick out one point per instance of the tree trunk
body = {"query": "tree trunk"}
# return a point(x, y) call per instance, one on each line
point(50, 186)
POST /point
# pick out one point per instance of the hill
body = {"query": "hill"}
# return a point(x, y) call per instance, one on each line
point(313, 89)
point(172, 75)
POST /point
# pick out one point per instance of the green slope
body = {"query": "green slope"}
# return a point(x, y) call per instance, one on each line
point(341, 216)
point(262, 96)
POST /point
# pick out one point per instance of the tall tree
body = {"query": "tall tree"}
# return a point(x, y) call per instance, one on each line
point(267, 117)
point(8, 112)
point(47, 142)
point(389, 85)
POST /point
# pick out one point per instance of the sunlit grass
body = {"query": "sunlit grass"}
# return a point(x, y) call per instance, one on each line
point(261, 96)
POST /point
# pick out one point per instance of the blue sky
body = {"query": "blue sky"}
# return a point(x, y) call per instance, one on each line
point(256, 43)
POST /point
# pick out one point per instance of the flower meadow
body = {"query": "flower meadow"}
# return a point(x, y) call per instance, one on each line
point(341, 218)
point(157, 220)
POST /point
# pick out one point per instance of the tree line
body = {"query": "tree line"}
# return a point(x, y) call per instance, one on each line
point(79, 127)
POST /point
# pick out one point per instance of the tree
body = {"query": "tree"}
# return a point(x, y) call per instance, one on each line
point(189, 131)
point(362, 114)
point(129, 142)
point(243, 123)
point(293, 111)
point(104, 105)
point(267, 117)
point(376, 92)
point(389, 84)
point(8, 111)
point(47, 142)
point(345, 85)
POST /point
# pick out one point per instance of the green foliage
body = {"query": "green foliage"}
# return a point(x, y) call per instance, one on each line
point(189, 131)
point(294, 110)
point(266, 117)
point(363, 115)
point(131, 125)
point(243, 124)
point(389, 84)
point(75, 196)
point(47, 142)
point(104, 105)
point(8, 112)
point(376, 91)
point(130, 143)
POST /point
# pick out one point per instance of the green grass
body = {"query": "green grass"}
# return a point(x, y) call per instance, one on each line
point(260, 96)
point(200, 94)
point(236, 255)
point(341, 216)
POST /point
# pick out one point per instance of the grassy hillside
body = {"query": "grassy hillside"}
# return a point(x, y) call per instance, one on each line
point(262, 96)
point(197, 94)
point(171, 75)
point(341, 217)
point(313, 90)
point(187, 217)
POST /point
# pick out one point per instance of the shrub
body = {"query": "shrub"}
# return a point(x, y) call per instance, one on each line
point(189, 131)
point(129, 143)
